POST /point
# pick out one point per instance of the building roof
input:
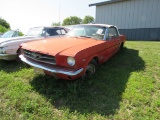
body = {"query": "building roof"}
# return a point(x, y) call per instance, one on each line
point(106, 2)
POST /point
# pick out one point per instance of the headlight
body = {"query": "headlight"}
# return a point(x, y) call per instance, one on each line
point(2, 50)
point(71, 61)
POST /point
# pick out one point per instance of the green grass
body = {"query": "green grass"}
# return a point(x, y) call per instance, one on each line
point(125, 87)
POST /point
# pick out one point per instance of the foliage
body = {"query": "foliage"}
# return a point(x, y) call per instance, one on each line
point(88, 19)
point(4, 23)
point(3, 29)
point(72, 20)
point(20, 33)
point(56, 24)
point(126, 87)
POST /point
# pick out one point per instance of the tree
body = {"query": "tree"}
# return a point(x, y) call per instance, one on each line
point(72, 20)
point(3, 29)
point(56, 24)
point(88, 19)
point(4, 23)
point(20, 33)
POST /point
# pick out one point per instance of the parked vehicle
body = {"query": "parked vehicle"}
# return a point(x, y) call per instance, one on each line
point(10, 33)
point(9, 47)
point(1, 34)
point(75, 55)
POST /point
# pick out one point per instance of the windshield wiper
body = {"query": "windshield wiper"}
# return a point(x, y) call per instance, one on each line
point(85, 36)
point(79, 36)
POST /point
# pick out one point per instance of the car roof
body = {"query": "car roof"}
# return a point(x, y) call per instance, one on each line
point(52, 27)
point(103, 25)
point(49, 27)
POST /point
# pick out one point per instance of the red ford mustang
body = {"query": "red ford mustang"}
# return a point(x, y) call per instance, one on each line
point(75, 55)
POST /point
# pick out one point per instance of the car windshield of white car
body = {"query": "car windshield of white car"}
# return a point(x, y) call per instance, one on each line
point(8, 34)
point(35, 32)
point(88, 31)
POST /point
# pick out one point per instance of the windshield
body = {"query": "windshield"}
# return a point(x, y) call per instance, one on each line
point(9, 34)
point(35, 32)
point(89, 31)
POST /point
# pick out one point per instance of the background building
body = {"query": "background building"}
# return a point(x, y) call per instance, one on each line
point(137, 19)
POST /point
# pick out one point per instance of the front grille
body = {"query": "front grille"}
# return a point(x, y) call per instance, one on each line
point(40, 57)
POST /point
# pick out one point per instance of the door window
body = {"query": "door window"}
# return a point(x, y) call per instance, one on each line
point(53, 32)
point(63, 32)
point(112, 32)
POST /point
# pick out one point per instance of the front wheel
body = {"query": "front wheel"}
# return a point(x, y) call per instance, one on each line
point(17, 58)
point(90, 69)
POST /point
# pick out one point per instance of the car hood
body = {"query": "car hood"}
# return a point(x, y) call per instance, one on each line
point(57, 45)
point(4, 40)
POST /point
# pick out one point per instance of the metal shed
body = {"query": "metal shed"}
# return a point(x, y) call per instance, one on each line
point(137, 19)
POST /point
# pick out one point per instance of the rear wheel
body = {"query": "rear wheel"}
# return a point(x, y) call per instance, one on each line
point(121, 47)
point(90, 69)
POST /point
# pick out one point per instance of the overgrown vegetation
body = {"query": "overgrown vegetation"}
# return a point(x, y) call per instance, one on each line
point(125, 87)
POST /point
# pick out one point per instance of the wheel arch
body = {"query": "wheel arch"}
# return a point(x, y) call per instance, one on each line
point(121, 45)
point(96, 59)
point(18, 50)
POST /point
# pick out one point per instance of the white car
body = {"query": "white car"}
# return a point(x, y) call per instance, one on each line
point(9, 34)
point(1, 34)
point(9, 47)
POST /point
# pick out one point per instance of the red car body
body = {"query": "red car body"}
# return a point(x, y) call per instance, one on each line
point(65, 51)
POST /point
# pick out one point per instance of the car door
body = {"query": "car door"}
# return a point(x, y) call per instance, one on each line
point(112, 41)
point(116, 38)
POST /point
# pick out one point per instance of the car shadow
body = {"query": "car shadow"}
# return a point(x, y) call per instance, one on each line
point(101, 94)
point(11, 66)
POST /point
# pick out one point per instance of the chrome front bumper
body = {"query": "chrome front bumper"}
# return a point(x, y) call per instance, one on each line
point(8, 56)
point(50, 69)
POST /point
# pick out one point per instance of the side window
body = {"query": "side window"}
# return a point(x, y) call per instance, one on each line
point(53, 32)
point(58, 31)
point(63, 32)
point(44, 32)
point(112, 32)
